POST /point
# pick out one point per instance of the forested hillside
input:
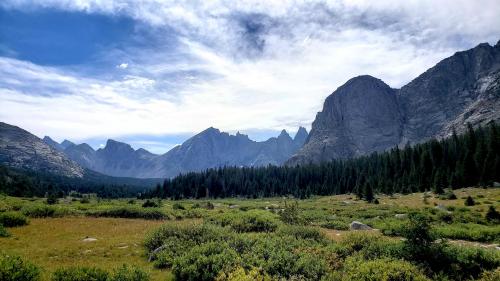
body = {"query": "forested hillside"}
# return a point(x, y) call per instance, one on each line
point(467, 160)
point(23, 183)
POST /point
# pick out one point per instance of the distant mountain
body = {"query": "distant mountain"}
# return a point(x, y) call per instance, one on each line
point(208, 149)
point(23, 150)
point(212, 148)
point(365, 115)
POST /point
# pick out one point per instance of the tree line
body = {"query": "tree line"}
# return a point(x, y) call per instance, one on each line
point(470, 159)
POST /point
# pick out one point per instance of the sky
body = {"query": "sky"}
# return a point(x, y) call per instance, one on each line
point(154, 73)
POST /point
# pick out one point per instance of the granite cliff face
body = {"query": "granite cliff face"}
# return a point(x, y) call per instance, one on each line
point(208, 149)
point(365, 115)
point(23, 150)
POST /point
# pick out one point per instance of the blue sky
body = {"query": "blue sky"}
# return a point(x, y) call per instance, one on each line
point(153, 73)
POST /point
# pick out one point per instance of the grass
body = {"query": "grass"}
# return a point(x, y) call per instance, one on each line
point(54, 234)
point(58, 242)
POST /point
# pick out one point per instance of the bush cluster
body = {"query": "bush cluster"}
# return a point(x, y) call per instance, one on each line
point(130, 212)
point(249, 221)
point(11, 219)
point(13, 268)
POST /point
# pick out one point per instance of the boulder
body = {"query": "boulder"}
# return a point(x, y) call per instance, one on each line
point(401, 216)
point(356, 225)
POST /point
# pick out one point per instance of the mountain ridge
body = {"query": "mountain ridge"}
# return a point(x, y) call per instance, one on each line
point(463, 88)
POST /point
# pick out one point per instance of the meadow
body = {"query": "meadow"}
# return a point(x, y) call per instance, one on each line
point(259, 239)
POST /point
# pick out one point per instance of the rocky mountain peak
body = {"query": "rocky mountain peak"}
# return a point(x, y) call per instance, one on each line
point(365, 115)
point(116, 146)
point(301, 136)
point(66, 143)
point(48, 140)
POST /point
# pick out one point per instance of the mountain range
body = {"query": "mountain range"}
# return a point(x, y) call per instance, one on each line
point(366, 115)
point(208, 149)
point(362, 116)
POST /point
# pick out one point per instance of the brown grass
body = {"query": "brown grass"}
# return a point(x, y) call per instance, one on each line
point(58, 242)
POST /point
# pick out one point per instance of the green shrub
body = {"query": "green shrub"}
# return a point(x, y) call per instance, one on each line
point(150, 204)
point(380, 269)
point(3, 231)
point(126, 273)
point(337, 225)
point(302, 232)
point(84, 200)
point(250, 221)
point(492, 215)
point(80, 274)
point(205, 262)
point(13, 268)
point(130, 212)
point(44, 211)
point(196, 233)
point(240, 274)
point(11, 219)
point(469, 201)
point(491, 275)
point(178, 206)
point(291, 214)
point(469, 231)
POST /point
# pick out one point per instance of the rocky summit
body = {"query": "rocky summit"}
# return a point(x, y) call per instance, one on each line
point(365, 115)
point(23, 150)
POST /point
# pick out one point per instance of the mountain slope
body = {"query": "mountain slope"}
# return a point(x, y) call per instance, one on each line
point(365, 115)
point(23, 150)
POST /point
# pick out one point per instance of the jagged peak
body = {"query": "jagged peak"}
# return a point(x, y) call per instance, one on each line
point(66, 143)
point(301, 132)
point(113, 144)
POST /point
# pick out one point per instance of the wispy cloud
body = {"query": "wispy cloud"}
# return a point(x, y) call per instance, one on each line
point(235, 65)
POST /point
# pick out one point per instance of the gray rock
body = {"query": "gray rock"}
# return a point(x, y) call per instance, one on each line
point(21, 149)
point(365, 115)
point(356, 225)
point(401, 216)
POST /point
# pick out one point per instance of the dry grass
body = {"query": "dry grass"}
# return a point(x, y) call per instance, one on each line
point(58, 242)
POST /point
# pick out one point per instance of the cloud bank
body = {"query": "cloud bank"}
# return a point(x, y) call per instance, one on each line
point(234, 65)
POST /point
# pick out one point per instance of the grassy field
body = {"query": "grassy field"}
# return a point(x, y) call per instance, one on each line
point(55, 234)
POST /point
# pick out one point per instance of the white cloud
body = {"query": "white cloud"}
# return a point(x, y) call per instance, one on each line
point(122, 65)
point(274, 74)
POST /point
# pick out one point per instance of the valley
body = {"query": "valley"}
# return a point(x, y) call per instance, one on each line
point(55, 234)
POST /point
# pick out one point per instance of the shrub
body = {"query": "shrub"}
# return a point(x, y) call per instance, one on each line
point(491, 275)
point(150, 204)
point(381, 269)
point(3, 231)
point(196, 233)
point(469, 201)
point(250, 221)
point(13, 268)
point(240, 274)
point(80, 274)
point(130, 212)
point(178, 206)
point(337, 225)
point(44, 211)
point(291, 214)
point(205, 262)
point(126, 273)
point(84, 200)
point(51, 199)
point(469, 231)
point(302, 232)
point(11, 219)
point(492, 215)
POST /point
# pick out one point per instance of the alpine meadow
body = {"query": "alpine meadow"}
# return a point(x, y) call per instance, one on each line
point(249, 140)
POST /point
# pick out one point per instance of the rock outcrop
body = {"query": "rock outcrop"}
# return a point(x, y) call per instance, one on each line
point(365, 115)
point(23, 150)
